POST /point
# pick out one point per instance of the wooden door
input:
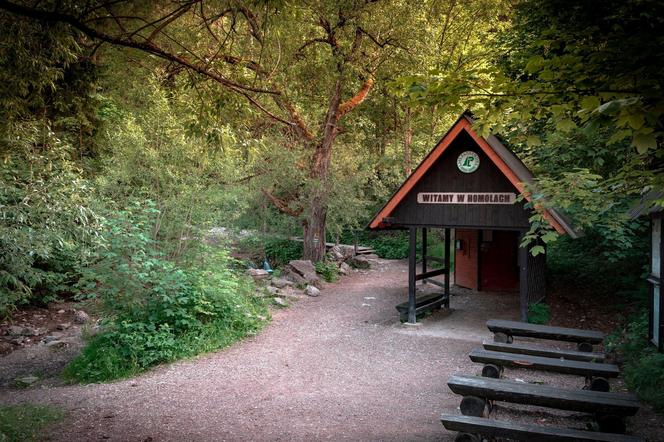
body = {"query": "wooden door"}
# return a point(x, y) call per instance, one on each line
point(499, 269)
point(465, 258)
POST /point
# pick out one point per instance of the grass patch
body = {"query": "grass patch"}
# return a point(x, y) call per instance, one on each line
point(539, 313)
point(26, 422)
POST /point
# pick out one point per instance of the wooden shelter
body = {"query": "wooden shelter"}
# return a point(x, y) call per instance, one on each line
point(470, 183)
point(655, 317)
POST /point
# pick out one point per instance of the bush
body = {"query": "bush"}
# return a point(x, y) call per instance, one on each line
point(281, 251)
point(159, 311)
point(643, 366)
point(328, 270)
point(539, 313)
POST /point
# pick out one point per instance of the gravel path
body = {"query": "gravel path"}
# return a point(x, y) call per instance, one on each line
point(336, 367)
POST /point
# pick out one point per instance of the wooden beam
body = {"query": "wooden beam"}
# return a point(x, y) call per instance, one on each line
point(501, 429)
point(515, 328)
point(585, 401)
point(446, 256)
point(523, 280)
point(537, 350)
point(424, 253)
point(430, 274)
point(412, 262)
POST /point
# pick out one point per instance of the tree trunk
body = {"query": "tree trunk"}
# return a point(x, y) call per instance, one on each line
point(314, 224)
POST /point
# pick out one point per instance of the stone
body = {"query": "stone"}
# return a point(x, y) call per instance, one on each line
point(291, 293)
point(80, 317)
point(302, 271)
point(258, 273)
point(272, 290)
point(63, 326)
point(280, 283)
point(344, 268)
point(281, 302)
point(17, 330)
point(57, 344)
point(371, 256)
point(310, 290)
point(52, 337)
point(61, 311)
point(361, 262)
point(336, 254)
point(26, 381)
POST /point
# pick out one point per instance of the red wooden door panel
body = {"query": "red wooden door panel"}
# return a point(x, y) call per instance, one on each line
point(465, 258)
point(499, 270)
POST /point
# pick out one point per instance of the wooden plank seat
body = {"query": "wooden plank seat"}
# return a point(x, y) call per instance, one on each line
point(588, 369)
point(585, 401)
point(516, 328)
point(424, 304)
point(536, 350)
point(470, 426)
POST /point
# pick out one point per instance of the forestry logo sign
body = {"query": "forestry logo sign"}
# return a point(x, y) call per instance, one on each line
point(468, 162)
point(466, 198)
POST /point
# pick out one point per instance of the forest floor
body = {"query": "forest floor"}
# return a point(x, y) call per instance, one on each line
point(336, 367)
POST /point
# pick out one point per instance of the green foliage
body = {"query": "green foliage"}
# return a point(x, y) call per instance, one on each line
point(643, 365)
point(280, 252)
point(26, 422)
point(159, 311)
point(387, 245)
point(539, 313)
point(47, 226)
point(328, 270)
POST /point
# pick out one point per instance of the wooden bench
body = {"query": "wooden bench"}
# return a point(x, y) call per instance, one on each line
point(471, 426)
point(588, 369)
point(505, 330)
point(585, 401)
point(424, 304)
point(535, 350)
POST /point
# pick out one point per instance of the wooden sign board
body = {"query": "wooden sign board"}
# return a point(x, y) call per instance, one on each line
point(466, 198)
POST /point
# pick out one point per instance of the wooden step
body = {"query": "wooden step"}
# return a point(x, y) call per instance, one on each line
point(495, 428)
point(516, 328)
point(541, 363)
point(424, 303)
point(586, 401)
point(536, 350)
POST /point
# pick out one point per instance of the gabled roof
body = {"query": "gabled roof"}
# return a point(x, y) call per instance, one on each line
point(506, 161)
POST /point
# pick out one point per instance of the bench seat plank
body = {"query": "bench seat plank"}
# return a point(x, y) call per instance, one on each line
point(495, 428)
point(424, 303)
point(541, 363)
point(516, 328)
point(586, 401)
point(536, 350)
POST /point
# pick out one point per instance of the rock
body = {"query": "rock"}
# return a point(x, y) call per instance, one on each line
point(361, 262)
point(344, 268)
point(336, 254)
point(5, 347)
point(291, 293)
point(57, 344)
point(371, 256)
point(272, 290)
point(302, 272)
point(63, 326)
point(281, 302)
point(60, 312)
point(258, 273)
point(280, 283)
point(26, 381)
point(311, 291)
point(17, 330)
point(52, 337)
point(80, 317)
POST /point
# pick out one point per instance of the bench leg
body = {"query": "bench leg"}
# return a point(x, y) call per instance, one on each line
point(475, 406)
point(467, 437)
point(609, 423)
point(492, 371)
point(597, 384)
point(503, 338)
point(584, 346)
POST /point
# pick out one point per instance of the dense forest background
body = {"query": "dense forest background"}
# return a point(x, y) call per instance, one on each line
point(128, 130)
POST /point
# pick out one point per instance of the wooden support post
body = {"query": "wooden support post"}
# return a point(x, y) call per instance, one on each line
point(355, 245)
point(523, 279)
point(424, 252)
point(447, 262)
point(412, 270)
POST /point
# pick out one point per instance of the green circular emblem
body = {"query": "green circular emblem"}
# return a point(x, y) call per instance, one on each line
point(468, 162)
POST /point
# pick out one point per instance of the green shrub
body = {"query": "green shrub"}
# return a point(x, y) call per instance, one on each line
point(643, 366)
point(539, 313)
point(26, 422)
point(281, 251)
point(159, 311)
point(328, 270)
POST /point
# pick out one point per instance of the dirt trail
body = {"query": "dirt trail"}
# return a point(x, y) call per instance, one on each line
point(336, 367)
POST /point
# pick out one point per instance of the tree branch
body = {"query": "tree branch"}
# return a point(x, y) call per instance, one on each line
point(281, 204)
point(359, 97)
